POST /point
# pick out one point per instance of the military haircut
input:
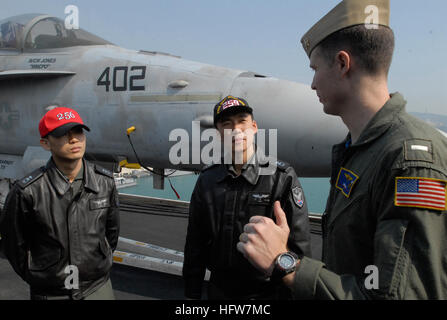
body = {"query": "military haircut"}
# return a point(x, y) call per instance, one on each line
point(227, 117)
point(372, 48)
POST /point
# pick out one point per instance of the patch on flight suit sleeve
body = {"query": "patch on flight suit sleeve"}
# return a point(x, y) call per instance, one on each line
point(345, 181)
point(298, 196)
point(418, 192)
point(418, 150)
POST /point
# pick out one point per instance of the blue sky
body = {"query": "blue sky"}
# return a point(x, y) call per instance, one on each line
point(263, 36)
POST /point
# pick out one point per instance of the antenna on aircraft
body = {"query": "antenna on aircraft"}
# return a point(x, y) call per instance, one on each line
point(129, 131)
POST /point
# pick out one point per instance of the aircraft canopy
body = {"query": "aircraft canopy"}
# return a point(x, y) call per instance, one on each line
point(30, 32)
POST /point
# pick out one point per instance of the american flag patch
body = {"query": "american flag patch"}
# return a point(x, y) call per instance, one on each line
point(420, 192)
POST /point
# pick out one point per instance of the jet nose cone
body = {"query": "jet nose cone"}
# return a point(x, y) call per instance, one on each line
point(305, 134)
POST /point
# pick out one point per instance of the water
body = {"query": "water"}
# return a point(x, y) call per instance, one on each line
point(184, 185)
point(316, 190)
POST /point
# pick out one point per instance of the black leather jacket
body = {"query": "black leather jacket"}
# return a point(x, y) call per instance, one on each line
point(45, 228)
point(221, 204)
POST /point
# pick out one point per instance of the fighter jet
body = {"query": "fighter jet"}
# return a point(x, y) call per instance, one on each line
point(42, 64)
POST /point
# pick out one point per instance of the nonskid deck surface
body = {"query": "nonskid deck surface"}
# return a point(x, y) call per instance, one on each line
point(153, 233)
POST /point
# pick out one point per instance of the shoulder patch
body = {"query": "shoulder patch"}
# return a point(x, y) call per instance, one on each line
point(282, 165)
point(103, 171)
point(298, 196)
point(418, 150)
point(30, 178)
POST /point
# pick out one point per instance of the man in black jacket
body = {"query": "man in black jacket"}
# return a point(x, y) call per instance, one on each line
point(61, 222)
point(224, 199)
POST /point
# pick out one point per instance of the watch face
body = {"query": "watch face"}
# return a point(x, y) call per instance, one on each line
point(286, 261)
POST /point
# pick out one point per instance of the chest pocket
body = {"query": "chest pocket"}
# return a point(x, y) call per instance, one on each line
point(259, 204)
point(100, 203)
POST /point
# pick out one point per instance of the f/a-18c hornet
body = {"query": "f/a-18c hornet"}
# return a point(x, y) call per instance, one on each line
point(43, 63)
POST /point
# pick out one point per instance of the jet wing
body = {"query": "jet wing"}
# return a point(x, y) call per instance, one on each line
point(443, 133)
point(14, 74)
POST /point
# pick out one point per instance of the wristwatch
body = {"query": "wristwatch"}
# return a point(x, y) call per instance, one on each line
point(285, 263)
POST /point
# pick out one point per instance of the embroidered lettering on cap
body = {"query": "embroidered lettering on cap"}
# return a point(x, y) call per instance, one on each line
point(65, 116)
point(230, 103)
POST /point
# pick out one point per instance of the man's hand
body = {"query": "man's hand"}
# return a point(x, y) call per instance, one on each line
point(263, 240)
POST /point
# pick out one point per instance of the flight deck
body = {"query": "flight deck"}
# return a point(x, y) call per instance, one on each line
point(148, 260)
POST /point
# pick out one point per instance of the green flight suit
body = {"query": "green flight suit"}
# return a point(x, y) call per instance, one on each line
point(366, 224)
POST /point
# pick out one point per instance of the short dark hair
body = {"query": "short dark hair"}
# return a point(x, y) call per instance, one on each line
point(372, 48)
point(227, 116)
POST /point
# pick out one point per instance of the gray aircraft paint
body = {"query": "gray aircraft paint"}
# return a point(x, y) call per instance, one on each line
point(176, 92)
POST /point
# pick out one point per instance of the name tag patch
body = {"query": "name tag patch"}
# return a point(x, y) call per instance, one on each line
point(418, 150)
point(259, 198)
point(345, 181)
point(420, 193)
point(99, 203)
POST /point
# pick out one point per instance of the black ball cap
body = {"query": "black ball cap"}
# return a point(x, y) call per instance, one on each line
point(229, 106)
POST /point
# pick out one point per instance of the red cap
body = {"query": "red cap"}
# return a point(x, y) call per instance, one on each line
point(59, 121)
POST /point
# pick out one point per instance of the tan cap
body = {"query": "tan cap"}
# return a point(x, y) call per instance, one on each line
point(347, 13)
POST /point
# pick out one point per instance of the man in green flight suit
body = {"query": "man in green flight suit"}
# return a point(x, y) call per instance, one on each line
point(385, 225)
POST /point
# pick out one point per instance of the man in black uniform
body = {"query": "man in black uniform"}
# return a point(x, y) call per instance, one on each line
point(224, 199)
point(61, 222)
